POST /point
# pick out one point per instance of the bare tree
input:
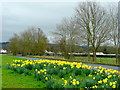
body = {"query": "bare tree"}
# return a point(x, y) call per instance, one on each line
point(94, 24)
point(113, 12)
point(67, 36)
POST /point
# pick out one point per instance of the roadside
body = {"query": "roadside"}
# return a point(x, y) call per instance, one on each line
point(99, 60)
point(90, 64)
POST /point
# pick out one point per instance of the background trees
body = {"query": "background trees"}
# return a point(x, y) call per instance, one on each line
point(93, 21)
point(30, 42)
point(67, 36)
point(14, 44)
point(94, 24)
point(113, 13)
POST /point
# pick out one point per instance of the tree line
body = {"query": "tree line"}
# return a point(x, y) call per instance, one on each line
point(91, 25)
point(30, 42)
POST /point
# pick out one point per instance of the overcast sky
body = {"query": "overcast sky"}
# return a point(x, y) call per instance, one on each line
point(16, 17)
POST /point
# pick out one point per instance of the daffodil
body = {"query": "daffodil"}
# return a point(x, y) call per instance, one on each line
point(100, 81)
point(74, 83)
point(44, 64)
point(114, 86)
point(90, 75)
point(114, 83)
point(62, 78)
point(77, 82)
point(111, 83)
point(74, 80)
point(64, 67)
point(54, 66)
point(46, 78)
point(65, 81)
point(105, 80)
point(38, 71)
point(102, 86)
point(96, 86)
point(109, 76)
point(44, 72)
point(70, 77)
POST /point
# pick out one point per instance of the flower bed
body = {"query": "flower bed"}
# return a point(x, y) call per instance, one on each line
point(63, 74)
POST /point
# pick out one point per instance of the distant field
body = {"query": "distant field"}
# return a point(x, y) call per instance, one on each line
point(102, 60)
point(99, 60)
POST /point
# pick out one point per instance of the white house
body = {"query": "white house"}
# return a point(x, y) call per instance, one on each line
point(3, 51)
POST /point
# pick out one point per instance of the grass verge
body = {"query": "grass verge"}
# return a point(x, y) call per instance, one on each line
point(11, 79)
point(104, 61)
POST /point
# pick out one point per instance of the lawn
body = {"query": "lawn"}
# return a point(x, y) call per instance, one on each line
point(54, 74)
point(11, 79)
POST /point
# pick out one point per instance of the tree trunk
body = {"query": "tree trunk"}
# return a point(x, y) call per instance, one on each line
point(88, 53)
point(94, 55)
point(116, 55)
point(66, 56)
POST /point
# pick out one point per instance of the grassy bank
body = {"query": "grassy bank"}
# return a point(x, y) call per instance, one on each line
point(11, 79)
point(61, 74)
point(99, 60)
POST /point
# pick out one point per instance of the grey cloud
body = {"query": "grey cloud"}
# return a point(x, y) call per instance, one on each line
point(18, 16)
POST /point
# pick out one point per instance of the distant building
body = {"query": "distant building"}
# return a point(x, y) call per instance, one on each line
point(3, 51)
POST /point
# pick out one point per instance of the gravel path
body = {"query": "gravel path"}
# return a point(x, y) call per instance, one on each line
point(90, 64)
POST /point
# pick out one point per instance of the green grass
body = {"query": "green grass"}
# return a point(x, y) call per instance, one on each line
point(99, 60)
point(11, 79)
point(0, 72)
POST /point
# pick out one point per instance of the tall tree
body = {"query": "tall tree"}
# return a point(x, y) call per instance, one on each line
point(94, 24)
point(67, 36)
point(113, 12)
point(14, 44)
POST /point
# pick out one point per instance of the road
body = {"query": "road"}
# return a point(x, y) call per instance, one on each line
point(90, 64)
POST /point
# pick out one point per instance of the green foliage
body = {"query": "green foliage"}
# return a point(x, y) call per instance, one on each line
point(86, 71)
point(27, 72)
point(92, 71)
point(38, 66)
point(30, 42)
point(8, 66)
point(57, 85)
point(62, 73)
point(49, 84)
point(77, 71)
point(29, 66)
point(20, 70)
point(98, 77)
point(39, 76)
point(89, 83)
